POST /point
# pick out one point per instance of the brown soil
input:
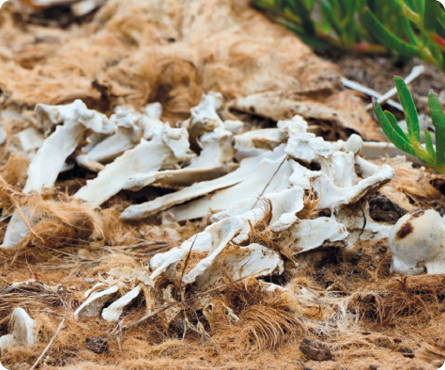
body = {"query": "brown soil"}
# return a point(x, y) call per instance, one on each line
point(376, 72)
point(367, 316)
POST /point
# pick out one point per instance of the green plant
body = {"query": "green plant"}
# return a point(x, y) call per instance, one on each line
point(432, 157)
point(404, 28)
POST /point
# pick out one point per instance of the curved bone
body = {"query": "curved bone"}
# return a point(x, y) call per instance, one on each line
point(247, 168)
point(167, 147)
point(307, 235)
point(24, 331)
point(93, 305)
point(51, 157)
point(270, 175)
point(236, 262)
point(215, 160)
point(114, 311)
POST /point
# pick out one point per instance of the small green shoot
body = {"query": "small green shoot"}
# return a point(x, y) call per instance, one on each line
point(430, 156)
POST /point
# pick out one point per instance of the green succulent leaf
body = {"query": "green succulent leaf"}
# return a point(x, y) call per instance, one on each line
point(430, 17)
point(429, 145)
point(392, 120)
point(299, 8)
point(393, 135)
point(412, 120)
point(439, 123)
point(387, 38)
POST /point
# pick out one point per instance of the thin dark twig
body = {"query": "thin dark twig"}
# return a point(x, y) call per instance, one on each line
point(267, 185)
point(55, 334)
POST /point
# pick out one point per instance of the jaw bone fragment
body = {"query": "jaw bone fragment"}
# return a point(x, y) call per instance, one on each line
point(93, 305)
point(416, 243)
point(24, 331)
point(42, 173)
point(247, 169)
point(167, 146)
point(114, 311)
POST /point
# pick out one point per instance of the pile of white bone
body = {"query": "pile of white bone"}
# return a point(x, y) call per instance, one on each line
point(215, 169)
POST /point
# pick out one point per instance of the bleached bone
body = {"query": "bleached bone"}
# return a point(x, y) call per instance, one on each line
point(257, 142)
point(237, 262)
point(114, 311)
point(215, 237)
point(416, 243)
point(131, 127)
point(127, 136)
point(354, 144)
point(415, 72)
point(247, 168)
point(95, 302)
point(214, 161)
point(24, 331)
point(85, 161)
point(204, 117)
point(360, 224)
point(31, 140)
point(270, 176)
point(356, 86)
point(332, 196)
point(307, 235)
point(364, 167)
point(84, 7)
point(167, 146)
point(96, 287)
point(377, 150)
point(42, 173)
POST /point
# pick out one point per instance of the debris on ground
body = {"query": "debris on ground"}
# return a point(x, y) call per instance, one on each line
point(184, 197)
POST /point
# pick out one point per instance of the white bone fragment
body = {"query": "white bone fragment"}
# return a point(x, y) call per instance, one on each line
point(127, 136)
point(31, 140)
point(23, 332)
point(7, 342)
point(24, 328)
point(215, 237)
point(167, 146)
point(415, 72)
point(237, 262)
point(84, 7)
point(270, 176)
point(95, 302)
point(333, 196)
point(51, 157)
point(257, 142)
point(354, 144)
point(85, 161)
point(247, 168)
point(307, 235)
point(356, 86)
point(271, 287)
point(153, 111)
point(417, 243)
point(376, 150)
point(215, 160)
point(235, 127)
point(95, 288)
point(343, 169)
point(114, 311)
point(365, 168)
